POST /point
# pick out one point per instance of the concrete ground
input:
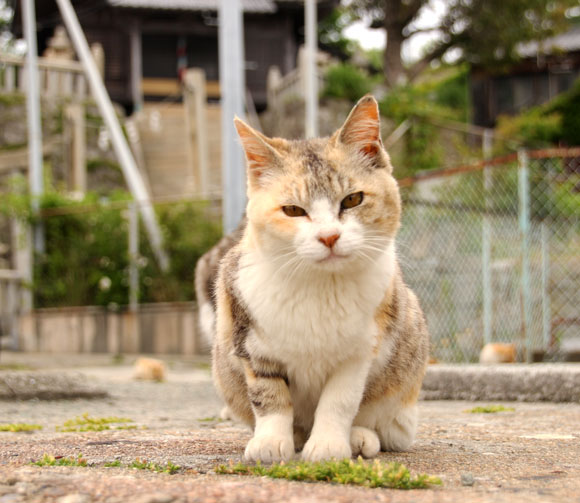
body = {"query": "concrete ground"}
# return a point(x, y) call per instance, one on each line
point(530, 455)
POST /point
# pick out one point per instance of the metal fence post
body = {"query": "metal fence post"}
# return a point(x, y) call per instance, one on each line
point(486, 245)
point(524, 222)
point(546, 304)
point(232, 85)
point(311, 91)
point(35, 170)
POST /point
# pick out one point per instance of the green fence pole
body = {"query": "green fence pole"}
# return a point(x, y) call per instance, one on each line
point(486, 245)
point(524, 221)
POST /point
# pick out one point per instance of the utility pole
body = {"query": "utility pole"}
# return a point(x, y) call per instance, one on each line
point(232, 86)
point(126, 160)
point(311, 91)
point(35, 171)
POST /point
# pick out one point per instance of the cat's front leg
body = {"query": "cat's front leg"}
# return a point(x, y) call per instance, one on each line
point(269, 395)
point(337, 407)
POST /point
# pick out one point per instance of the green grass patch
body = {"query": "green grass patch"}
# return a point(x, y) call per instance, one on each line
point(48, 460)
point(490, 409)
point(348, 471)
point(210, 419)
point(16, 427)
point(142, 464)
point(88, 423)
point(113, 464)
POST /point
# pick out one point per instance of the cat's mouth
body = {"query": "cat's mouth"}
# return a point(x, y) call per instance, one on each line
point(332, 257)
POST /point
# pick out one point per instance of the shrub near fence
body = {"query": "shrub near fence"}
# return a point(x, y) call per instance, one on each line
point(493, 252)
point(87, 261)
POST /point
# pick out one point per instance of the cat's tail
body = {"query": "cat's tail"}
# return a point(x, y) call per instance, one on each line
point(206, 271)
point(205, 276)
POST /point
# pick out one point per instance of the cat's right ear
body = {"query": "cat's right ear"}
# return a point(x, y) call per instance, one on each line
point(261, 156)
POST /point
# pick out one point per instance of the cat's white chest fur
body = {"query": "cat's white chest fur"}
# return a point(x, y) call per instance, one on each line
point(312, 323)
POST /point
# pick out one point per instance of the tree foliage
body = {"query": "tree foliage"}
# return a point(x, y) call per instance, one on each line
point(485, 32)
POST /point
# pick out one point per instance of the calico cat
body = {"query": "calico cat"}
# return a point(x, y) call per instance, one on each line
point(317, 342)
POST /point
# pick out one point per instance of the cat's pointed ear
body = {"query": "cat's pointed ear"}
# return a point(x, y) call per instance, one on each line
point(261, 154)
point(362, 130)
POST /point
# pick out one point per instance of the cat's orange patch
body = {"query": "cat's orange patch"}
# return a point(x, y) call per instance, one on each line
point(413, 395)
point(250, 374)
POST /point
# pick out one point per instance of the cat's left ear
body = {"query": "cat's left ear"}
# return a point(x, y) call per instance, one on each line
point(362, 130)
point(261, 152)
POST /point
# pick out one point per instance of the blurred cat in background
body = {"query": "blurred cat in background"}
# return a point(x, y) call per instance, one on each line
point(498, 352)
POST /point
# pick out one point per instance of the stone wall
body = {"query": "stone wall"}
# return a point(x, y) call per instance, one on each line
point(168, 328)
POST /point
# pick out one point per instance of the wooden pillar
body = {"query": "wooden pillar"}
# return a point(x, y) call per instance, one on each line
point(195, 99)
point(136, 67)
point(75, 120)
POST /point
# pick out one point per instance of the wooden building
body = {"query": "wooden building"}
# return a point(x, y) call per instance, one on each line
point(148, 43)
point(544, 71)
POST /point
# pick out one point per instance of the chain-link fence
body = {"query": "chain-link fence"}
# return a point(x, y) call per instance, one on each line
point(493, 252)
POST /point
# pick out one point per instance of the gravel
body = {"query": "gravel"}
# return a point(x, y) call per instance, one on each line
point(529, 455)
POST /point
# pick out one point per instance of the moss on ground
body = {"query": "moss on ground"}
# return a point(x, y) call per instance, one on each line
point(88, 423)
point(48, 460)
point(490, 409)
point(141, 464)
point(17, 427)
point(347, 471)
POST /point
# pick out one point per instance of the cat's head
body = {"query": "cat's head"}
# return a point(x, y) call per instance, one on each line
point(329, 203)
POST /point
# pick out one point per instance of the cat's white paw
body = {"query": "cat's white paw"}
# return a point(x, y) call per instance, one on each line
point(226, 413)
point(321, 447)
point(269, 448)
point(364, 442)
point(399, 433)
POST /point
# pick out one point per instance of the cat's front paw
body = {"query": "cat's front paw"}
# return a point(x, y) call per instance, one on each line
point(269, 448)
point(321, 447)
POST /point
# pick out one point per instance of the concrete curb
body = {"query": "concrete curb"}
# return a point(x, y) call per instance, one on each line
point(46, 386)
point(521, 382)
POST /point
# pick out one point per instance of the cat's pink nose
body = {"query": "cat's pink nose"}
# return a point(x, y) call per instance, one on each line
point(329, 240)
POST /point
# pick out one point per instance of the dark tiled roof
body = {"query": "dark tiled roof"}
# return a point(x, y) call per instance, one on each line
point(565, 42)
point(259, 6)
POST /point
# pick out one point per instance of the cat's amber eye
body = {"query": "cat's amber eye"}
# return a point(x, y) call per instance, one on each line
point(294, 211)
point(351, 201)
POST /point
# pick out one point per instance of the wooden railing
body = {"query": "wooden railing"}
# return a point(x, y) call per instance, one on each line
point(57, 78)
point(290, 86)
point(11, 285)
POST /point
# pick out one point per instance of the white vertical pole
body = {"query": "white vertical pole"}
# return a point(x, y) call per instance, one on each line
point(232, 86)
point(133, 221)
point(311, 98)
point(486, 245)
point(126, 160)
point(35, 171)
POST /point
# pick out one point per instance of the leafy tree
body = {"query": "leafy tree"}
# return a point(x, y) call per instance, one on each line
point(330, 32)
point(486, 32)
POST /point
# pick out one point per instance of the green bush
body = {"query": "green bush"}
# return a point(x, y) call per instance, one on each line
point(86, 257)
point(557, 121)
point(534, 128)
point(346, 81)
point(422, 150)
point(452, 92)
